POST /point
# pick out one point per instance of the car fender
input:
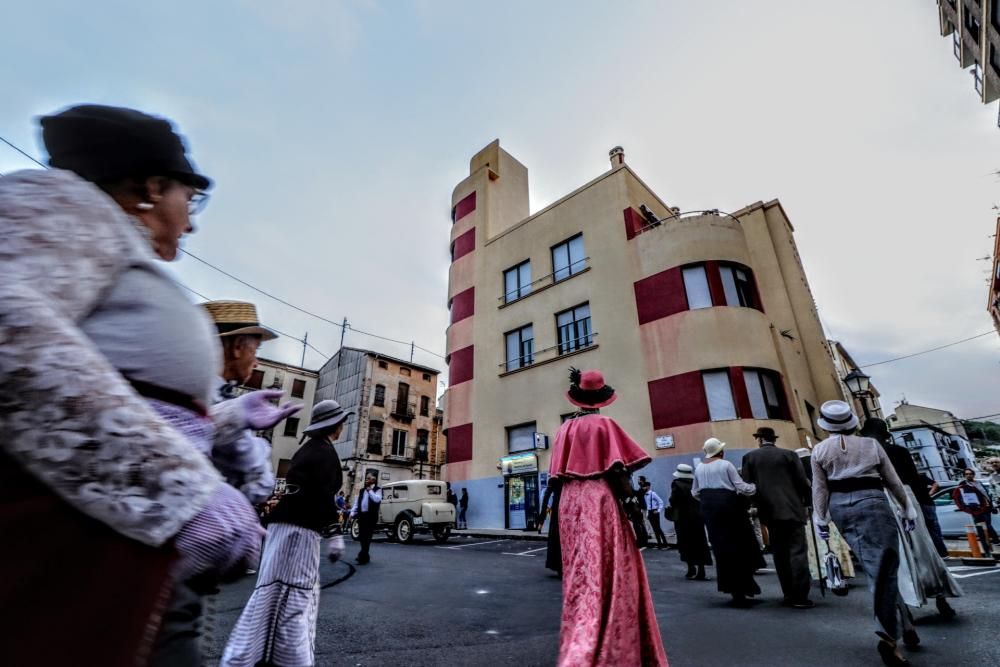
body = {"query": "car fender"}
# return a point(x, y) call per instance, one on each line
point(437, 512)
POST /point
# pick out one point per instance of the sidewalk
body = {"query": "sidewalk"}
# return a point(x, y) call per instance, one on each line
point(497, 533)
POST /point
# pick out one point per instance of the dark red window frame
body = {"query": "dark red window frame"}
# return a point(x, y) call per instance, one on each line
point(680, 400)
point(464, 207)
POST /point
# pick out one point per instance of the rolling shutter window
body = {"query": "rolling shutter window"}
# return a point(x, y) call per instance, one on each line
point(521, 438)
point(696, 287)
point(720, 395)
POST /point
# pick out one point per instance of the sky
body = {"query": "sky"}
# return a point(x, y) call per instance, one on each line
point(336, 131)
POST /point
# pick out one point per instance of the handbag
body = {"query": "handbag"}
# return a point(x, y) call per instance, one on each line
point(834, 575)
point(669, 513)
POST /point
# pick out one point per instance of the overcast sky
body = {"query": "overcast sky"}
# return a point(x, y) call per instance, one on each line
point(336, 131)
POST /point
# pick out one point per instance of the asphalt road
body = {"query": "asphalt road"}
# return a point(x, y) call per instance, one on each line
point(478, 601)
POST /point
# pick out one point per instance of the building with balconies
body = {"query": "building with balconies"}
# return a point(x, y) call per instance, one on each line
point(395, 432)
point(936, 439)
point(703, 321)
point(974, 28)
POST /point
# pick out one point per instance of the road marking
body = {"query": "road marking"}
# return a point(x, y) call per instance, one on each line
point(530, 552)
point(977, 574)
point(474, 544)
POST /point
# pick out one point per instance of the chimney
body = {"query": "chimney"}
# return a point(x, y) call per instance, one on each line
point(617, 155)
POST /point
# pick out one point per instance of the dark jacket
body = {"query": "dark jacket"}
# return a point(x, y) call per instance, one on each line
point(313, 480)
point(903, 463)
point(782, 487)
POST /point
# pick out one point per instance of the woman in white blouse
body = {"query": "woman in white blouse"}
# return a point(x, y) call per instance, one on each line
point(720, 489)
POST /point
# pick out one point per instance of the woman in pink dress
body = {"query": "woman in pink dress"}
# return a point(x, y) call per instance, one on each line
point(608, 616)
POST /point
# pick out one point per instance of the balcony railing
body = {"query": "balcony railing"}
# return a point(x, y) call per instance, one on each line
point(562, 274)
point(546, 354)
point(403, 410)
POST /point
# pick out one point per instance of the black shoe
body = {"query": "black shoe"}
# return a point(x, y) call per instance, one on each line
point(690, 573)
point(945, 610)
point(887, 651)
point(910, 638)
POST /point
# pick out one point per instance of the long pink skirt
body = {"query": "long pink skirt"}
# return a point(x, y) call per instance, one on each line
point(608, 616)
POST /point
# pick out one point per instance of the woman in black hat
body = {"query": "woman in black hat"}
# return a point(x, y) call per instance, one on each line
point(105, 379)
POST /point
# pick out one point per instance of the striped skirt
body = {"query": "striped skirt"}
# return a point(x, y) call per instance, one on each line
point(278, 624)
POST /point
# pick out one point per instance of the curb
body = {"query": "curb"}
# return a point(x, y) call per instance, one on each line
point(527, 536)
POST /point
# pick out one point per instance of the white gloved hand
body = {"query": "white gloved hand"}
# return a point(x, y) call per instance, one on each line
point(335, 547)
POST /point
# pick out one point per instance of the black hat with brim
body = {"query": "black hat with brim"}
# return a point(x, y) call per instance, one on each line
point(766, 433)
point(105, 144)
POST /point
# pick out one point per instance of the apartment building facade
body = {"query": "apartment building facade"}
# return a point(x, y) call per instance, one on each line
point(702, 321)
point(395, 432)
point(299, 385)
point(974, 28)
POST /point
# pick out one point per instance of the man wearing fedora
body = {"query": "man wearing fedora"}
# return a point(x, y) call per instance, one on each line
point(278, 624)
point(782, 496)
point(247, 461)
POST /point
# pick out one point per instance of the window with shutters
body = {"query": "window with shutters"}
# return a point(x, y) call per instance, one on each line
point(719, 393)
point(379, 399)
point(767, 397)
point(398, 442)
point(425, 406)
point(696, 287)
point(298, 388)
point(292, 427)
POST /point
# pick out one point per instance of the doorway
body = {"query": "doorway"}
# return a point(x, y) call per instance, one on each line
point(521, 497)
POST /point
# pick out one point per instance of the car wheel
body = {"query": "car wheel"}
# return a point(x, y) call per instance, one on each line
point(355, 530)
point(442, 534)
point(404, 529)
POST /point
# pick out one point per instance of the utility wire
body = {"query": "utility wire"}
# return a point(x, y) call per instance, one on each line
point(43, 166)
point(933, 349)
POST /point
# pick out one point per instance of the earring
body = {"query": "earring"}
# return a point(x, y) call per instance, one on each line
point(144, 206)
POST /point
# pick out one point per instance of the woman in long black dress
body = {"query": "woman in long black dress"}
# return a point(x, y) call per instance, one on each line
point(553, 554)
point(689, 524)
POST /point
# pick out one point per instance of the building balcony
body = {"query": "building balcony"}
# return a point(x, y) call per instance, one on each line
point(403, 410)
point(535, 286)
point(549, 354)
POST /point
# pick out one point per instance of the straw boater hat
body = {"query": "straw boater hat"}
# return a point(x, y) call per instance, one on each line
point(684, 471)
point(237, 318)
point(836, 416)
point(713, 446)
point(326, 414)
point(588, 389)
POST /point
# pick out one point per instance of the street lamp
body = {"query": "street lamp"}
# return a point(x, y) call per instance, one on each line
point(859, 385)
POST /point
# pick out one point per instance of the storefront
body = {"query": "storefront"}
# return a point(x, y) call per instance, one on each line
point(521, 491)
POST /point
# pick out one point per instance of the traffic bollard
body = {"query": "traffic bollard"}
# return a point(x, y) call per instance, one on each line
point(970, 535)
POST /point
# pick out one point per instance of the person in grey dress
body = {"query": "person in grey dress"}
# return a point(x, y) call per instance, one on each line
point(850, 477)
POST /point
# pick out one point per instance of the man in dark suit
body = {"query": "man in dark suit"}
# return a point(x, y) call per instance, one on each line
point(782, 490)
point(366, 510)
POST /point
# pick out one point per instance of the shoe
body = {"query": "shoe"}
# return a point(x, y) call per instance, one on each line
point(690, 573)
point(801, 604)
point(910, 638)
point(945, 610)
point(889, 653)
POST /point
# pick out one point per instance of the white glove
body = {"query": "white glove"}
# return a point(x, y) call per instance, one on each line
point(335, 546)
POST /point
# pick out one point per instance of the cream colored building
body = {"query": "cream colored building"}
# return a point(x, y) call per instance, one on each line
point(702, 321)
point(395, 432)
point(299, 385)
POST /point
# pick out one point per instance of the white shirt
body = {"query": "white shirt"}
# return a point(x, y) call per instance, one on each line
point(720, 474)
point(653, 502)
point(375, 495)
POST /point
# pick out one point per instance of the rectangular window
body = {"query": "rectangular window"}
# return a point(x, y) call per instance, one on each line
point(719, 393)
point(292, 427)
point(766, 396)
point(520, 348)
point(256, 380)
point(517, 282)
point(737, 283)
point(574, 329)
point(383, 364)
point(379, 399)
point(568, 258)
point(374, 437)
point(521, 438)
point(696, 287)
point(425, 406)
point(426, 377)
point(398, 442)
point(298, 388)
point(402, 398)
point(972, 25)
point(404, 371)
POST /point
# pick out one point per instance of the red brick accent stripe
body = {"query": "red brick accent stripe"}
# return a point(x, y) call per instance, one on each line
point(677, 400)
point(464, 207)
point(660, 295)
point(463, 305)
point(460, 366)
point(464, 244)
point(460, 443)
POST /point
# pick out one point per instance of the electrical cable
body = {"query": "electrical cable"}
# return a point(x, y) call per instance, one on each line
point(933, 349)
point(43, 166)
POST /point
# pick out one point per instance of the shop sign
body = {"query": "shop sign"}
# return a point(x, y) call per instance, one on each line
point(664, 442)
point(517, 464)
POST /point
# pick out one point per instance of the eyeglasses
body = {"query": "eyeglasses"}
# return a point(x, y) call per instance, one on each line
point(197, 202)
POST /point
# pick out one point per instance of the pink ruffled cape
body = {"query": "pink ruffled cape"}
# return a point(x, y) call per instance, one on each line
point(589, 446)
